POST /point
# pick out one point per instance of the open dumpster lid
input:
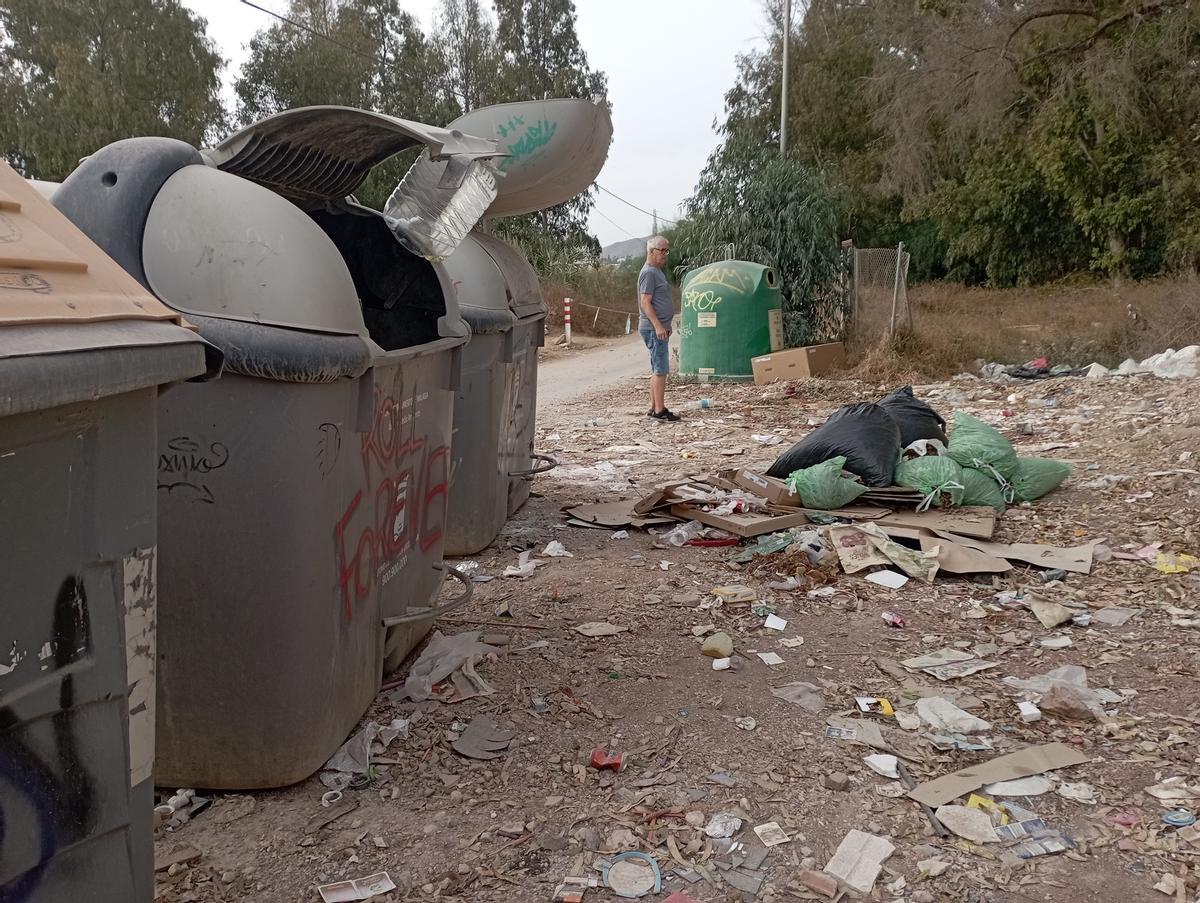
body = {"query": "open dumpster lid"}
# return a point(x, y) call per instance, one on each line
point(317, 154)
point(555, 149)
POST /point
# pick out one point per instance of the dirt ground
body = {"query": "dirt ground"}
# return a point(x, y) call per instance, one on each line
point(449, 828)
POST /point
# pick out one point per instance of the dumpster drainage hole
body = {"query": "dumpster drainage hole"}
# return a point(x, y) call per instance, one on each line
point(109, 179)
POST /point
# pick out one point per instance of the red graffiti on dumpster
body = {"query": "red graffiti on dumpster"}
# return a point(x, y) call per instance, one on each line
point(403, 506)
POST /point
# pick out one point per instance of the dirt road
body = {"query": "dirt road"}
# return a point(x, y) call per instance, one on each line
point(703, 743)
point(567, 378)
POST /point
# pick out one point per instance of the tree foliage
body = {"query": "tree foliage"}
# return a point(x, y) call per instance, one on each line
point(78, 74)
point(1012, 141)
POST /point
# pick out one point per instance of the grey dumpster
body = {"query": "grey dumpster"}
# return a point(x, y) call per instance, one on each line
point(302, 497)
point(494, 411)
point(83, 354)
point(555, 148)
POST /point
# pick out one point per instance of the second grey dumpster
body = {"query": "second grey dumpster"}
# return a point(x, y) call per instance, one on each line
point(84, 351)
point(554, 150)
point(302, 497)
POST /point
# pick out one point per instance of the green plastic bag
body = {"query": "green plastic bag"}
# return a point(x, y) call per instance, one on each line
point(936, 476)
point(974, 443)
point(1037, 476)
point(823, 487)
point(980, 489)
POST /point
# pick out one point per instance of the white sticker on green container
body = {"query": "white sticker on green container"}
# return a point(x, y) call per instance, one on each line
point(775, 325)
point(708, 319)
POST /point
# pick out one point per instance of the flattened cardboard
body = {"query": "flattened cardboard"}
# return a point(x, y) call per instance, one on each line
point(774, 490)
point(1077, 560)
point(959, 559)
point(853, 512)
point(978, 523)
point(744, 525)
point(1034, 760)
point(615, 514)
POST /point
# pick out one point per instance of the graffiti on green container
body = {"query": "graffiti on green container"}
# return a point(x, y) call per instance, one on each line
point(728, 277)
point(699, 301)
point(533, 139)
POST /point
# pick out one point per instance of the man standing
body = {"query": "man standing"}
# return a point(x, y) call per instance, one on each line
point(654, 323)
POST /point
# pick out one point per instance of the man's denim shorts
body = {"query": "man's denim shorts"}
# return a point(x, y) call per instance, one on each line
point(659, 351)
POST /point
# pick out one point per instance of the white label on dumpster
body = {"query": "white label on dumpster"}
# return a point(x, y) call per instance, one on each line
point(709, 319)
point(775, 327)
point(140, 603)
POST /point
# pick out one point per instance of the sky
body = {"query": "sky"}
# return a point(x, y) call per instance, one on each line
point(669, 64)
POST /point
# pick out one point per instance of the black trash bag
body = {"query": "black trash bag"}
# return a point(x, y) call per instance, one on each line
point(864, 434)
point(916, 419)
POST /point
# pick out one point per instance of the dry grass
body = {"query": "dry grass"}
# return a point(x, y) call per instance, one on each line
point(602, 303)
point(1073, 324)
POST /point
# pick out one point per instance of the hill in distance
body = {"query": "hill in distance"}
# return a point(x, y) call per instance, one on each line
point(630, 247)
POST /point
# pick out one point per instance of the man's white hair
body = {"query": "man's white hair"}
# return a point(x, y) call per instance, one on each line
point(655, 241)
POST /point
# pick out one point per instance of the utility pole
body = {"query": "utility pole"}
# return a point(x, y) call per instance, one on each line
point(783, 101)
point(654, 226)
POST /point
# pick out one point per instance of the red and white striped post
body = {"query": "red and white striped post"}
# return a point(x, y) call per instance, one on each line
point(567, 319)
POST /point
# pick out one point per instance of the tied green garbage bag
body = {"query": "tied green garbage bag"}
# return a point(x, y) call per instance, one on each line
point(980, 489)
point(823, 487)
point(974, 443)
point(935, 476)
point(1037, 476)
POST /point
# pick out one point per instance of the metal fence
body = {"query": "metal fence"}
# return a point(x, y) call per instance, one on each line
point(881, 291)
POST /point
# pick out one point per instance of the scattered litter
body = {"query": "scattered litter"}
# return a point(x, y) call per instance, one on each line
point(774, 622)
point(970, 824)
point(1064, 691)
point(598, 629)
point(1055, 642)
point(632, 874)
point(556, 549)
point(933, 867)
point(1050, 614)
point(1179, 818)
point(746, 724)
point(1174, 790)
point(601, 759)
point(892, 619)
point(770, 658)
point(356, 889)
point(1115, 616)
point(771, 834)
point(734, 595)
point(890, 579)
point(329, 797)
point(800, 693)
point(947, 664)
point(620, 534)
point(722, 664)
point(874, 704)
point(858, 730)
point(792, 642)
point(453, 656)
point(1080, 793)
point(723, 825)
point(858, 860)
point(1175, 563)
point(1030, 761)
point(943, 715)
point(883, 764)
point(483, 739)
point(524, 567)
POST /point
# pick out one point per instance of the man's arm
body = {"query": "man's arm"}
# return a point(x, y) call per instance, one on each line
point(647, 307)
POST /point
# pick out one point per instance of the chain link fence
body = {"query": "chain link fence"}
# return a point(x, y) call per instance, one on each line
point(880, 292)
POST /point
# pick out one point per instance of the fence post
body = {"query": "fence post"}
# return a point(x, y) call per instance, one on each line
point(895, 291)
point(567, 319)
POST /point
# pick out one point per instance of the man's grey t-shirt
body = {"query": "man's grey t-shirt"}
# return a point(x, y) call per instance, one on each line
point(652, 282)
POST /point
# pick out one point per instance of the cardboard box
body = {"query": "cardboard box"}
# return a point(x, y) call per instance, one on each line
point(773, 490)
point(744, 525)
point(797, 363)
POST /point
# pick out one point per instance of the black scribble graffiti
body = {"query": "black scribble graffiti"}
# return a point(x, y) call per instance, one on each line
point(186, 463)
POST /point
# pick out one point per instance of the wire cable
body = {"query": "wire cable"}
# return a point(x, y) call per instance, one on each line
point(630, 203)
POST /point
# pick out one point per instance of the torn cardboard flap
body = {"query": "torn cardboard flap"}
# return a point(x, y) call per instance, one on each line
point(1077, 559)
point(978, 523)
point(960, 559)
point(615, 514)
point(774, 490)
point(1031, 761)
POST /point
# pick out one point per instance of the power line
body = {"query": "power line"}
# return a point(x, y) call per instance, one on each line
point(611, 223)
point(623, 201)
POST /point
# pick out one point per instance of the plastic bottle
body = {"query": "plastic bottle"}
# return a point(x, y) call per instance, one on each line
point(702, 404)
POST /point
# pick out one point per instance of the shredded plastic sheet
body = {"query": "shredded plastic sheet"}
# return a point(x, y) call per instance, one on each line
point(444, 656)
